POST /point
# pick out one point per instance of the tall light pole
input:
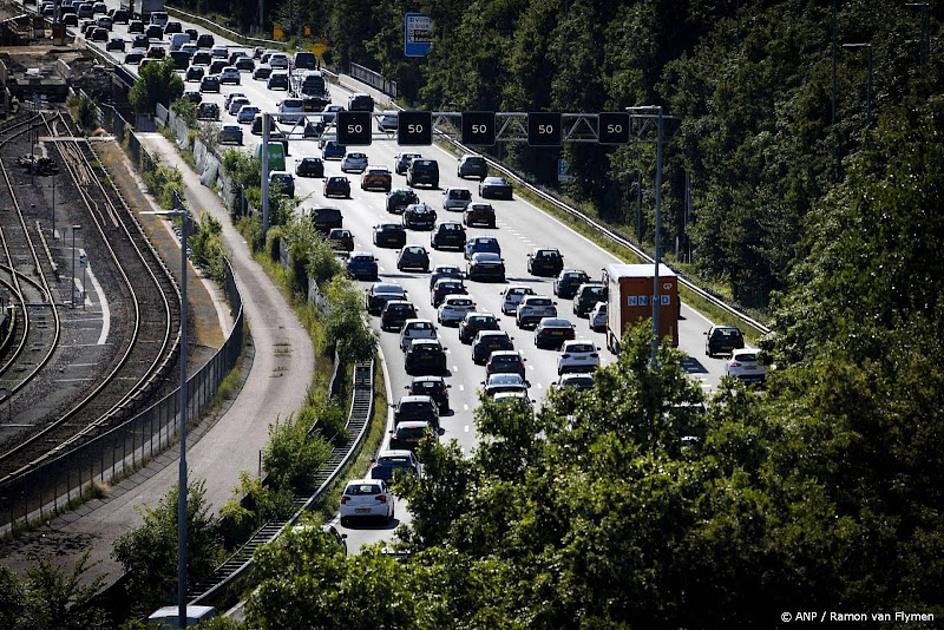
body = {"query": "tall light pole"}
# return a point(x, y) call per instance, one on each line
point(835, 46)
point(180, 211)
point(264, 184)
point(655, 111)
point(868, 81)
point(75, 228)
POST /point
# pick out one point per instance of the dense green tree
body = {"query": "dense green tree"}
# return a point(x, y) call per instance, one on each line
point(157, 83)
point(148, 554)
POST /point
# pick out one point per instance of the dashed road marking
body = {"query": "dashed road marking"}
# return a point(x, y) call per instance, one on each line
point(466, 430)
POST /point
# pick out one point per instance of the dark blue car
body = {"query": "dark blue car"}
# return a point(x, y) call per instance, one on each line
point(481, 244)
point(333, 151)
point(362, 266)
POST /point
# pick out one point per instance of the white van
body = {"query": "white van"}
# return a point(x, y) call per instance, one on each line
point(177, 40)
point(416, 329)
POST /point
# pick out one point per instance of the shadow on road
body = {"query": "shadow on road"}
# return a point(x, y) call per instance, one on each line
point(693, 366)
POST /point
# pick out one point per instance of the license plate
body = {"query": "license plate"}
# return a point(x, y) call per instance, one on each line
point(362, 510)
point(557, 333)
point(750, 367)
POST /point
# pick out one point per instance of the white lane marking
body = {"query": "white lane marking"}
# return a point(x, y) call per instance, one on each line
point(82, 364)
point(73, 380)
point(531, 367)
point(106, 312)
point(466, 430)
point(461, 387)
point(539, 386)
point(465, 407)
point(455, 368)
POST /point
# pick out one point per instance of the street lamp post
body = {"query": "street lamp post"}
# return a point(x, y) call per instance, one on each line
point(264, 187)
point(868, 81)
point(180, 211)
point(655, 111)
point(75, 228)
point(925, 29)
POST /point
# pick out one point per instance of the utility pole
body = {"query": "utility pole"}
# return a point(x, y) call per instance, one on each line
point(658, 238)
point(266, 121)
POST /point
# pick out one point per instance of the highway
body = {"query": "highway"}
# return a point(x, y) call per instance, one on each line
point(521, 227)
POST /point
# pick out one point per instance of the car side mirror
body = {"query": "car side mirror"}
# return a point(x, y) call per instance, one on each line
point(481, 382)
point(344, 536)
point(705, 333)
point(404, 387)
point(528, 384)
point(526, 359)
point(448, 386)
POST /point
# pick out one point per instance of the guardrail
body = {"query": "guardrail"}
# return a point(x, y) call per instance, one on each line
point(222, 30)
point(214, 589)
point(374, 79)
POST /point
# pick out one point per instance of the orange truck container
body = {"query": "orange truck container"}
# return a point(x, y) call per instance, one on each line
point(630, 301)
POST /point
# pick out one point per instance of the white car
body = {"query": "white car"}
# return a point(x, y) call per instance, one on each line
point(354, 162)
point(502, 397)
point(744, 364)
point(577, 380)
point(454, 308)
point(230, 74)
point(290, 110)
point(279, 60)
point(578, 356)
point(228, 99)
point(219, 52)
point(534, 308)
point(456, 199)
point(512, 296)
point(415, 329)
point(504, 383)
point(598, 317)
point(366, 498)
point(236, 103)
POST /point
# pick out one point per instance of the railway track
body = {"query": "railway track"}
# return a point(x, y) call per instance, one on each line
point(148, 308)
point(25, 274)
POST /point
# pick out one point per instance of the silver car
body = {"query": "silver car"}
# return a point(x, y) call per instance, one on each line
point(354, 162)
point(456, 199)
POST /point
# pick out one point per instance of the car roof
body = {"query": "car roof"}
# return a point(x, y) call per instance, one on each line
point(415, 398)
point(372, 482)
point(578, 342)
point(413, 424)
point(493, 180)
point(485, 256)
point(387, 226)
point(555, 322)
point(492, 333)
point(359, 252)
point(395, 452)
point(505, 353)
point(387, 286)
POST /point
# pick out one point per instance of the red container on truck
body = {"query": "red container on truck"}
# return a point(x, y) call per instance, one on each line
point(630, 301)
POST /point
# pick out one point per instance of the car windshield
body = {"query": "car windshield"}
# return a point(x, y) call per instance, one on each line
point(388, 288)
point(291, 102)
point(480, 206)
point(357, 489)
point(727, 332)
point(504, 359)
point(399, 308)
point(746, 358)
point(459, 302)
point(395, 462)
point(414, 407)
point(595, 291)
point(548, 253)
point(418, 251)
point(505, 379)
point(421, 326)
point(357, 156)
point(411, 432)
point(539, 302)
point(579, 347)
point(450, 227)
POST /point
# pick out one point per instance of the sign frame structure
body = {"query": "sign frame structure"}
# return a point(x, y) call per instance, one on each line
point(537, 120)
point(476, 137)
point(414, 129)
point(417, 35)
point(348, 137)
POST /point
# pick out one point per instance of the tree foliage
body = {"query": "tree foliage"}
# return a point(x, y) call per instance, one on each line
point(148, 554)
point(157, 83)
point(50, 597)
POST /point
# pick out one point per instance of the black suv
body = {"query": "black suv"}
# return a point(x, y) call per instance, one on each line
point(337, 186)
point(389, 235)
point(587, 296)
point(449, 234)
point(472, 166)
point(723, 340)
point(479, 214)
point(488, 341)
point(326, 219)
point(310, 167)
point(360, 103)
point(444, 288)
point(565, 286)
point(434, 387)
point(416, 408)
point(425, 357)
point(399, 199)
point(423, 172)
point(395, 313)
point(545, 262)
point(470, 326)
point(208, 111)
